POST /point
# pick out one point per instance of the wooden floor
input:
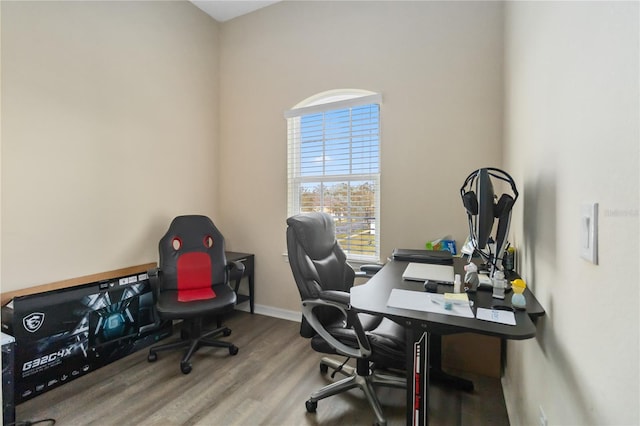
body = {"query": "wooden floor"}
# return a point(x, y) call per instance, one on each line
point(266, 383)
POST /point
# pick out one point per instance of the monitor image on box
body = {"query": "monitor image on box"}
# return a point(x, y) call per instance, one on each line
point(118, 319)
point(112, 321)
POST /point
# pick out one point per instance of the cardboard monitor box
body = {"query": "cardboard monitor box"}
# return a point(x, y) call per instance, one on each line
point(8, 407)
point(473, 353)
point(64, 334)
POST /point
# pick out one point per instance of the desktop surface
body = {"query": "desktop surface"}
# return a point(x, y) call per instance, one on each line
point(373, 295)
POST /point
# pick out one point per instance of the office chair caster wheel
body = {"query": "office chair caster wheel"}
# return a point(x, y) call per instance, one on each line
point(233, 350)
point(226, 332)
point(324, 368)
point(185, 367)
point(311, 406)
point(152, 357)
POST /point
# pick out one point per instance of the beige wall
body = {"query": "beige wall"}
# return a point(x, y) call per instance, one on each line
point(438, 67)
point(109, 129)
point(572, 137)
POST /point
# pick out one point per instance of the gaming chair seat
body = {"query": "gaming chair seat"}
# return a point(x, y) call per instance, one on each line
point(191, 284)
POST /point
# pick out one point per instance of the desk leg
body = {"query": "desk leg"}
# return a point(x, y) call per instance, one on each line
point(417, 377)
point(251, 299)
point(250, 278)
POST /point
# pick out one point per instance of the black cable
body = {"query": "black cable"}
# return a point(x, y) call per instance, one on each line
point(339, 367)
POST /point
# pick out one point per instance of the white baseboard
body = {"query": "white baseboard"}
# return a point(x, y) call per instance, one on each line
point(272, 312)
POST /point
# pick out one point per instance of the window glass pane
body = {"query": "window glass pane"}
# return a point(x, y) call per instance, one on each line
point(352, 205)
point(340, 142)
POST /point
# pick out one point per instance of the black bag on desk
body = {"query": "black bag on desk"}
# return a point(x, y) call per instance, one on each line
point(436, 257)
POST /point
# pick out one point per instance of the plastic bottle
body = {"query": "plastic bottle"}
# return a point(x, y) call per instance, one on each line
point(510, 259)
point(499, 284)
point(457, 284)
point(471, 279)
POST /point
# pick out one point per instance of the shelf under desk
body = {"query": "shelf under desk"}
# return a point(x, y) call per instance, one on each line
point(248, 260)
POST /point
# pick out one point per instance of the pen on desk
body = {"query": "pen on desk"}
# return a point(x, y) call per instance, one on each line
point(445, 303)
point(502, 308)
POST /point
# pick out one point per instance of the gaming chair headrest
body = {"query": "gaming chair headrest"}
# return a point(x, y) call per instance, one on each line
point(470, 200)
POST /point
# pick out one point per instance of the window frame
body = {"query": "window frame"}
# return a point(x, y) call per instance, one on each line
point(324, 103)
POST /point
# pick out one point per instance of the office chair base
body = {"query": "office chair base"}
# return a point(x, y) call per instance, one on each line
point(194, 339)
point(336, 366)
point(354, 380)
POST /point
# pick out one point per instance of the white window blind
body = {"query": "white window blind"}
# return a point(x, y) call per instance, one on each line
point(334, 167)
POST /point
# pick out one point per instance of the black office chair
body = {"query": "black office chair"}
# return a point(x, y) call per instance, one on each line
point(191, 284)
point(324, 278)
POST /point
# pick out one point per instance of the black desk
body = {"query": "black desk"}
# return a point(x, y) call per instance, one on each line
point(372, 297)
point(247, 260)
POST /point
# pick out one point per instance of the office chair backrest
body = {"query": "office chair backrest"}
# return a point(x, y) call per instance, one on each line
point(192, 258)
point(317, 261)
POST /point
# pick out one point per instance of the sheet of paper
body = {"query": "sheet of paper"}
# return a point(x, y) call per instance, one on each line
point(426, 302)
point(457, 297)
point(495, 315)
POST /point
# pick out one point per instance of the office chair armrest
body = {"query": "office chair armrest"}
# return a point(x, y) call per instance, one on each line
point(154, 281)
point(234, 264)
point(368, 270)
point(364, 349)
point(341, 297)
point(153, 275)
point(235, 269)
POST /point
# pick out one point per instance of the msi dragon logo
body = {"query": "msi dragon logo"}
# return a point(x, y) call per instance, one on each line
point(33, 322)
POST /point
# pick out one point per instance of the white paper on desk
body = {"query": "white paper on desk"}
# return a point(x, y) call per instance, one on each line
point(426, 302)
point(495, 315)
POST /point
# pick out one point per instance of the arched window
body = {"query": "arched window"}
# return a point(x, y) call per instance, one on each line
point(334, 165)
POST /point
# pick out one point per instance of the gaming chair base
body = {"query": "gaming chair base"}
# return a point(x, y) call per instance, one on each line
point(192, 338)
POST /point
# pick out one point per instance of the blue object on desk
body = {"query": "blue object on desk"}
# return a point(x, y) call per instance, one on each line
point(518, 301)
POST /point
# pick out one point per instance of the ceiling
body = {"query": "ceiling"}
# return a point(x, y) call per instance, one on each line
point(224, 10)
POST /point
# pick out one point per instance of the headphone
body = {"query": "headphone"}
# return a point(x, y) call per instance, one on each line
point(504, 204)
point(501, 209)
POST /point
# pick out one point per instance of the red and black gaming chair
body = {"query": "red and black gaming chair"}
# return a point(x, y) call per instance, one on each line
point(191, 284)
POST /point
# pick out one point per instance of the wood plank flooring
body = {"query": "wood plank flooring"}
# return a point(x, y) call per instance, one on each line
point(267, 383)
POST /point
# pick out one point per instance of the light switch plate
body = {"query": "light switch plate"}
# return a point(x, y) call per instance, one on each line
point(589, 232)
